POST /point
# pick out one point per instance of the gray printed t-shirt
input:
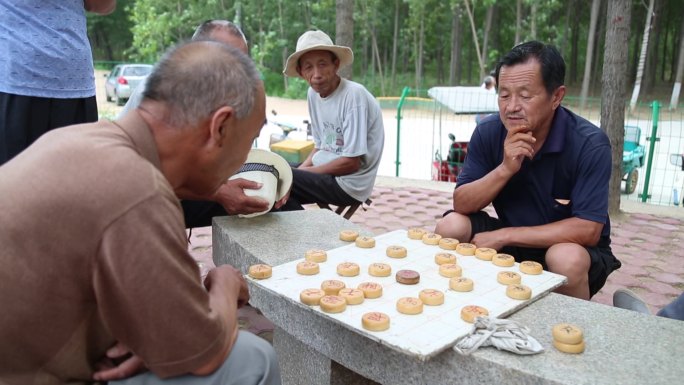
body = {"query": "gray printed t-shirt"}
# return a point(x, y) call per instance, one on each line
point(348, 123)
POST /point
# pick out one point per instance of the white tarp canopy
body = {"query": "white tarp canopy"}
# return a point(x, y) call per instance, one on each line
point(465, 100)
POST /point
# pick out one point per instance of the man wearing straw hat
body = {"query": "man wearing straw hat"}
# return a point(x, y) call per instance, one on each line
point(347, 128)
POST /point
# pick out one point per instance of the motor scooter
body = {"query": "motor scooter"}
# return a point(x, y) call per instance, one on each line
point(448, 170)
point(279, 128)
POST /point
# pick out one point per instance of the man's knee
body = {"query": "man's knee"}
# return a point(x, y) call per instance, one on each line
point(454, 225)
point(569, 259)
point(252, 361)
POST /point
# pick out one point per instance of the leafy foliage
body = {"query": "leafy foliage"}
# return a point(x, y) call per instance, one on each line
point(142, 30)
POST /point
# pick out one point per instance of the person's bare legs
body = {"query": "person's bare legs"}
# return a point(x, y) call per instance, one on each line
point(568, 259)
point(572, 261)
point(454, 225)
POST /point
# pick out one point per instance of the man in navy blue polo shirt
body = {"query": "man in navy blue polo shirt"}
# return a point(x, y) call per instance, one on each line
point(546, 172)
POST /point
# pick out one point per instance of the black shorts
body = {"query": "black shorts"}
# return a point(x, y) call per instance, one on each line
point(200, 213)
point(603, 262)
point(23, 119)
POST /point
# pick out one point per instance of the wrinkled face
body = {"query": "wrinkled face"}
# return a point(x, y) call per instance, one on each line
point(320, 70)
point(523, 99)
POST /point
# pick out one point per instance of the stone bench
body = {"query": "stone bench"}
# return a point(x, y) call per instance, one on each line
point(623, 347)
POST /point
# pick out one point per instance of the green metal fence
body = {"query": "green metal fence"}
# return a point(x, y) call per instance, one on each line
point(423, 126)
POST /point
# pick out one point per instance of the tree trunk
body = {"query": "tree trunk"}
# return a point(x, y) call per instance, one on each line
point(614, 91)
point(485, 38)
point(674, 100)
point(455, 68)
point(282, 36)
point(595, 6)
point(665, 45)
point(307, 14)
point(518, 21)
point(395, 41)
point(475, 39)
point(595, 84)
point(651, 67)
point(642, 58)
point(377, 59)
point(419, 57)
point(262, 35)
point(566, 30)
point(533, 21)
point(574, 53)
point(344, 30)
point(238, 14)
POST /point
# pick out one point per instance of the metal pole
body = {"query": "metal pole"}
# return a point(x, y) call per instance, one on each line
point(404, 92)
point(652, 139)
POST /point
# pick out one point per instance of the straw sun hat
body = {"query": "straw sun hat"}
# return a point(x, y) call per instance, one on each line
point(313, 41)
point(269, 169)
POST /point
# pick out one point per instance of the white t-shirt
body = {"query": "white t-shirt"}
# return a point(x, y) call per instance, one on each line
point(349, 123)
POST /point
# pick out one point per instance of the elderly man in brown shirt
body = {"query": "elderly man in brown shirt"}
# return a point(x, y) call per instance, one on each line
point(96, 281)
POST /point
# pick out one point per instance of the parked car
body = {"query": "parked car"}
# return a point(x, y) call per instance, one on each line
point(123, 79)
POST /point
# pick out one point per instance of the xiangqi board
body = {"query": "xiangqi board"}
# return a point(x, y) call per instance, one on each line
point(436, 327)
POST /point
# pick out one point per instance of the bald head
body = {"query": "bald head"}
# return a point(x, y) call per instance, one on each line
point(223, 31)
point(195, 79)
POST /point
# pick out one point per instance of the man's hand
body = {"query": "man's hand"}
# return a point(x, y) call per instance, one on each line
point(119, 363)
point(102, 7)
point(519, 144)
point(232, 197)
point(493, 239)
point(283, 200)
point(230, 278)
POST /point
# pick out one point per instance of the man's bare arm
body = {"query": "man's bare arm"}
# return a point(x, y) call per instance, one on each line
point(337, 167)
point(102, 7)
point(572, 230)
point(476, 195)
point(308, 162)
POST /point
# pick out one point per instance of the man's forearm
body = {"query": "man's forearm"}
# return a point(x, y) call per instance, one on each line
point(476, 195)
point(308, 162)
point(102, 7)
point(338, 167)
point(572, 230)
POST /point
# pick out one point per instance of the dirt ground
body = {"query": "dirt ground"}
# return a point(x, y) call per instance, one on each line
point(109, 110)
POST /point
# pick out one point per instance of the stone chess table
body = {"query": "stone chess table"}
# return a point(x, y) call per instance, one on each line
point(622, 347)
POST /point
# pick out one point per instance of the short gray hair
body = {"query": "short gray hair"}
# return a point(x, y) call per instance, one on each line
point(196, 78)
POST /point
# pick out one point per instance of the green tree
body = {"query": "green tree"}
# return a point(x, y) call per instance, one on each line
point(110, 35)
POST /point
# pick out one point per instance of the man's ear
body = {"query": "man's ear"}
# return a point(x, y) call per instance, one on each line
point(558, 96)
point(221, 121)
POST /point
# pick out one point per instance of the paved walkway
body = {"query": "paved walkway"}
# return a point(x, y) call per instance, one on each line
point(650, 246)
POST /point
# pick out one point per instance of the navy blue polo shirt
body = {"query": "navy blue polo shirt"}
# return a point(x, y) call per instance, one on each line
point(568, 176)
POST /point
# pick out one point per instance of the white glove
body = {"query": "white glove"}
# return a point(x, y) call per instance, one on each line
point(503, 334)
